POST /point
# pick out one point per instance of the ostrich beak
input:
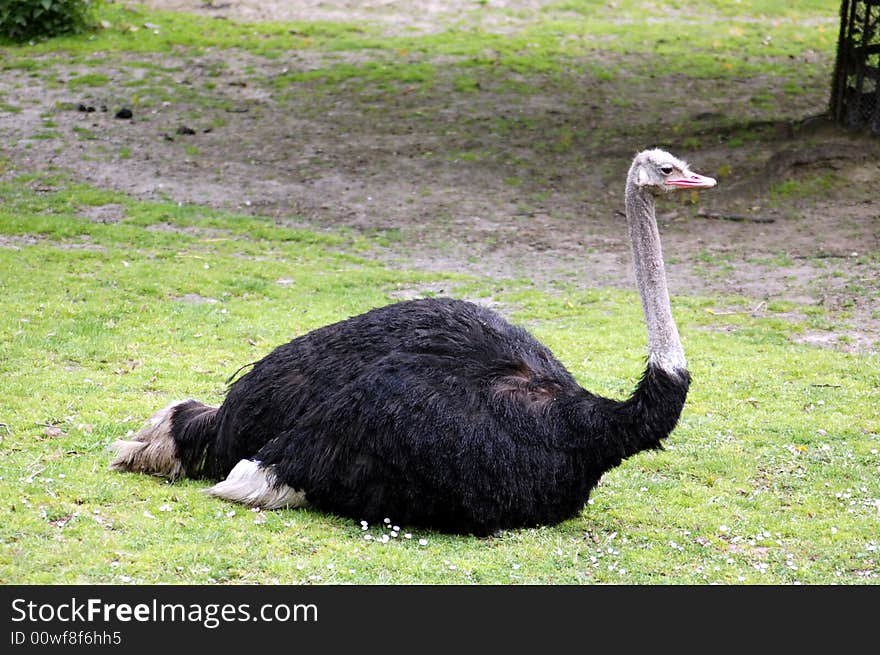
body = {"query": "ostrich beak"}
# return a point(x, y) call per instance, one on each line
point(690, 180)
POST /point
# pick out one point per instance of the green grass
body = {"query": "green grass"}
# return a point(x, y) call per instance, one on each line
point(771, 477)
point(89, 79)
point(816, 185)
point(560, 39)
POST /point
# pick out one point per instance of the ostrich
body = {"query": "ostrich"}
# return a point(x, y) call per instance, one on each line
point(436, 412)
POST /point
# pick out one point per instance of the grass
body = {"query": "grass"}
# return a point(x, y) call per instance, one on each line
point(89, 79)
point(560, 38)
point(771, 476)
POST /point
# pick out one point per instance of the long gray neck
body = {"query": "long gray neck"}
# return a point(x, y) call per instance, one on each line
point(664, 344)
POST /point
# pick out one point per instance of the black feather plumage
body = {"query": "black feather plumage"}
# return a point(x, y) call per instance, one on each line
point(435, 412)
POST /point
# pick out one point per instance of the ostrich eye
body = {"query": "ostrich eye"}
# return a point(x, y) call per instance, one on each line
point(666, 170)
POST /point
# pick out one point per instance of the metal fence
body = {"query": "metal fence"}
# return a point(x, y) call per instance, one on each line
point(855, 90)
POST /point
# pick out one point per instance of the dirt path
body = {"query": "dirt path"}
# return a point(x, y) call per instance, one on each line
point(490, 182)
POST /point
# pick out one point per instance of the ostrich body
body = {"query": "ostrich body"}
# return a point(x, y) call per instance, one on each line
point(434, 412)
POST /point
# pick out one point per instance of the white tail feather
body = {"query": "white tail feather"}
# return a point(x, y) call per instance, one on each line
point(152, 450)
point(253, 485)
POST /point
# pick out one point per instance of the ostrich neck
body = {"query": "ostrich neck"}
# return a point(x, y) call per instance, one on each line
point(664, 344)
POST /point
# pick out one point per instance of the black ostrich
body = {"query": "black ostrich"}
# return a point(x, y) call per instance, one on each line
point(435, 412)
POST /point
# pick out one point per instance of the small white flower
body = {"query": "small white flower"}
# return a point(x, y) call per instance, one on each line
point(230, 513)
point(516, 566)
point(394, 533)
point(386, 520)
point(723, 528)
point(165, 508)
point(396, 528)
point(385, 539)
point(408, 535)
point(368, 537)
point(833, 530)
point(423, 542)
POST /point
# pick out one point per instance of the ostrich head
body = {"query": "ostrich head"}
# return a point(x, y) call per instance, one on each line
point(657, 171)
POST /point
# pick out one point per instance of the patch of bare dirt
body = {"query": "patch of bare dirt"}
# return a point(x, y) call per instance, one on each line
point(394, 16)
point(494, 182)
point(195, 299)
point(110, 213)
point(16, 241)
